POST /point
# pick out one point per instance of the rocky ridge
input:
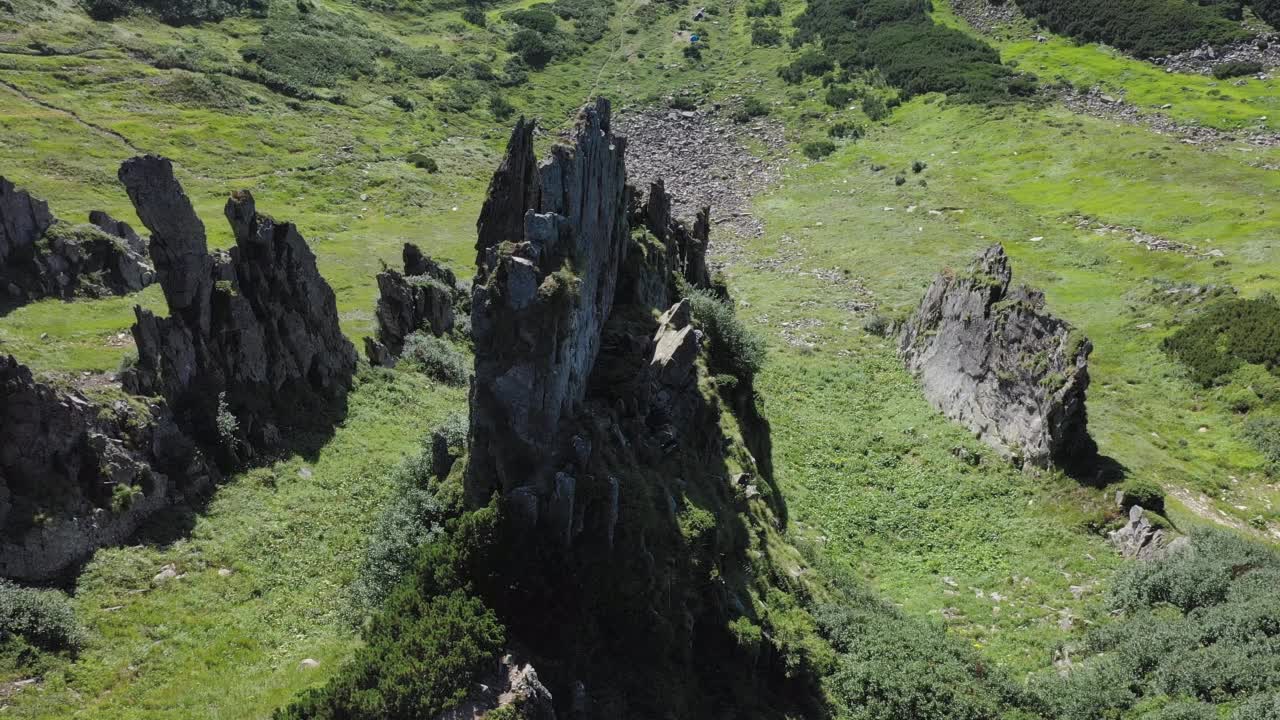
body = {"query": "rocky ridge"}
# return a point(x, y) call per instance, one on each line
point(1094, 102)
point(41, 256)
point(252, 342)
point(251, 345)
point(1264, 50)
point(991, 358)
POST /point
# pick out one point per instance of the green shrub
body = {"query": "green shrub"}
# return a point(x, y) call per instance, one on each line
point(1199, 630)
point(764, 8)
point(683, 102)
point(818, 149)
point(404, 102)
point(752, 107)
point(839, 96)
point(532, 47)
point(1264, 434)
point(1227, 334)
point(423, 62)
point(175, 12)
point(692, 52)
point(500, 107)
point(847, 131)
point(1236, 68)
point(414, 517)
point(875, 108)
point(1142, 492)
point(41, 618)
point(900, 40)
point(536, 19)
point(735, 349)
point(475, 16)
point(437, 357)
point(315, 49)
point(765, 33)
point(810, 64)
point(1146, 28)
point(918, 166)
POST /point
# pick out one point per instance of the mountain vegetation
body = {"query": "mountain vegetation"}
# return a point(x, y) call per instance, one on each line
point(609, 452)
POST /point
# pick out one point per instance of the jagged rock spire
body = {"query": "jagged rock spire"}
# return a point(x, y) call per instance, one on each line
point(991, 358)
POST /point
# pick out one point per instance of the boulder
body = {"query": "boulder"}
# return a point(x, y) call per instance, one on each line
point(990, 357)
point(252, 342)
point(1138, 539)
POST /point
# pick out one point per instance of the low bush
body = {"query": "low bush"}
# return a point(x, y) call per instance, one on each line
point(1199, 627)
point(423, 162)
point(176, 12)
point(875, 108)
point(1226, 335)
point(532, 47)
point(735, 349)
point(423, 62)
point(847, 131)
point(501, 108)
point(1264, 434)
point(765, 33)
point(1236, 68)
point(764, 8)
point(900, 40)
point(818, 149)
point(811, 63)
point(752, 107)
point(1145, 28)
point(1142, 492)
point(41, 618)
point(474, 16)
point(536, 19)
point(436, 357)
point(918, 166)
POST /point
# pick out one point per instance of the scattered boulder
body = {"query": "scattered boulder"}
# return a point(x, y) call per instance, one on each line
point(252, 341)
point(76, 474)
point(423, 298)
point(1138, 539)
point(990, 357)
point(41, 256)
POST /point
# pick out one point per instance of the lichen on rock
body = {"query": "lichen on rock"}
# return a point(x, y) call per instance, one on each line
point(990, 357)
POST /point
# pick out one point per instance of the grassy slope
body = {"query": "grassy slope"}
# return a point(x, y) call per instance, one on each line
point(868, 469)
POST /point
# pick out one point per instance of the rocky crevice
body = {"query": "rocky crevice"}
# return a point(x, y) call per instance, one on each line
point(990, 357)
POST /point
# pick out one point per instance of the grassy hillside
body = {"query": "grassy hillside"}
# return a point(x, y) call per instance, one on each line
point(874, 480)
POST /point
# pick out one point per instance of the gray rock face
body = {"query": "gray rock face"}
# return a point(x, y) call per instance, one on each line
point(544, 288)
point(75, 475)
point(423, 298)
point(1139, 539)
point(252, 341)
point(42, 257)
point(991, 358)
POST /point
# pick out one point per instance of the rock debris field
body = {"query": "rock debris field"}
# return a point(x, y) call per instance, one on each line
point(703, 158)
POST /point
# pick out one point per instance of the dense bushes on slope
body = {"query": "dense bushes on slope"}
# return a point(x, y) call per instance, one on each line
point(898, 38)
point(1146, 28)
point(1227, 335)
point(1199, 637)
point(175, 12)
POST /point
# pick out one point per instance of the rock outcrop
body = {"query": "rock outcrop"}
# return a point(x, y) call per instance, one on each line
point(551, 241)
point(77, 474)
point(423, 298)
point(1139, 539)
point(513, 684)
point(991, 358)
point(41, 256)
point(252, 342)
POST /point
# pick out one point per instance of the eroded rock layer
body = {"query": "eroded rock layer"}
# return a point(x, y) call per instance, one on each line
point(990, 357)
point(252, 342)
point(43, 257)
